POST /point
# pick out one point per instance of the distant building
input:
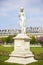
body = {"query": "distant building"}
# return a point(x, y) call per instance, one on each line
point(34, 30)
point(7, 32)
point(31, 30)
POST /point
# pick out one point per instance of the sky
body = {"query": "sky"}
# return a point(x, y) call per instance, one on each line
point(9, 13)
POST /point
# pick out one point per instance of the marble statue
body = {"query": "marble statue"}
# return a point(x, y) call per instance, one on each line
point(21, 53)
point(22, 20)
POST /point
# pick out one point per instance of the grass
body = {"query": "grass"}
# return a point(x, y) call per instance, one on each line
point(40, 62)
point(4, 63)
point(5, 51)
point(37, 49)
point(38, 52)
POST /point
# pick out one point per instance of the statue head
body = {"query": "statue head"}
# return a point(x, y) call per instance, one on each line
point(21, 9)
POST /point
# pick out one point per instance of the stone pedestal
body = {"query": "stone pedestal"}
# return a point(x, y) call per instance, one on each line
point(21, 53)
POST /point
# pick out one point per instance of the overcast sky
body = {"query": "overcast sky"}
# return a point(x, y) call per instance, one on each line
point(9, 11)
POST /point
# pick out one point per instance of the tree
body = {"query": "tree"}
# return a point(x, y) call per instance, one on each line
point(3, 39)
point(9, 39)
point(33, 40)
point(40, 40)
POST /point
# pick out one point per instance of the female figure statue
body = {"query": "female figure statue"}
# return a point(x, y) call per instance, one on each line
point(22, 20)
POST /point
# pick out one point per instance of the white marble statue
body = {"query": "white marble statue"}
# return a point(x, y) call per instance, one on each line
point(22, 20)
point(21, 53)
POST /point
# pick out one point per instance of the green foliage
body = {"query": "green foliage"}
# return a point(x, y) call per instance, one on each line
point(3, 57)
point(4, 53)
point(38, 56)
point(10, 39)
point(5, 63)
point(7, 50)
point(33, 40)
point(38, 52)
point(36, 49)
point(3, 39)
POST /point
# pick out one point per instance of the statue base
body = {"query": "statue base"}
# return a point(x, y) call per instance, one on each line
point(22, 60)
point(21, 53)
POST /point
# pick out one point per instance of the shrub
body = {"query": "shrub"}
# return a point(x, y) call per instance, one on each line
point(3, 39)
point(33, 40)
point(40, 40)
point(38, 56)
point(10, 39)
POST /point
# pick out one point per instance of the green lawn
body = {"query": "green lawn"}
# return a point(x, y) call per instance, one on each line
point(39, 62)
point(37, 49)
point(5, 51)
point(38, 52)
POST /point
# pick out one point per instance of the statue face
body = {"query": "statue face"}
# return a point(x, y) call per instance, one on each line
point(22, 9)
